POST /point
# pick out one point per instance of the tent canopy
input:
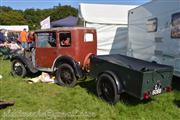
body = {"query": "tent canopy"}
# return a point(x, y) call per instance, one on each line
point(69, 21)
point(14, 27)
point(111, 23)
point(105, 13)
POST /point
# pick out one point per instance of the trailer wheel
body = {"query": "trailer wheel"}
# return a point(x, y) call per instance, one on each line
point(18, 68)
point(66, 76)
point(107, 89)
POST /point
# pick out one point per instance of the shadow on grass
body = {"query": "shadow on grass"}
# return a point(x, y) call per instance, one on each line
point(29, 74)
point(176, 83)
point(176, 87)
point(4, 104)
point(177, 102)
point(33, 75)
point(90, 86)
point(130, 100)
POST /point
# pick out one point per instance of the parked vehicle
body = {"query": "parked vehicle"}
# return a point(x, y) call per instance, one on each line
point(52, 55)
point(116, 74)
point(154, 33)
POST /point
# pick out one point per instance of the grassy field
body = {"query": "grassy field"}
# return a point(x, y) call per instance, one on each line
point(50, 101)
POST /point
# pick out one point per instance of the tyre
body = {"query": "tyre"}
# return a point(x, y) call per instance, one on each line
point(18, 68)
point(66, 76)
point(107, 89)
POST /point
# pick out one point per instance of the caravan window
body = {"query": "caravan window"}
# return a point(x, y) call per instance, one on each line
point(152, 25)
point(175, 30)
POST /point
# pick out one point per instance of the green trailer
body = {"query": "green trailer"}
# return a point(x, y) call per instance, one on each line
point(117, 74)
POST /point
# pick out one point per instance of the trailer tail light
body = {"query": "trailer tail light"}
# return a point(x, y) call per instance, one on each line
point(168, 89)
point(146, 95)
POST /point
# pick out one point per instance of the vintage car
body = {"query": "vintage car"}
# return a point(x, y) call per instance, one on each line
point(52, 53)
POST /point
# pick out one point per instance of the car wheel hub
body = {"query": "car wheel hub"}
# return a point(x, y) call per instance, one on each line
point(18, 68)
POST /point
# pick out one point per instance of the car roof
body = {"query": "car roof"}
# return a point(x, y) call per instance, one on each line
point(65, 28)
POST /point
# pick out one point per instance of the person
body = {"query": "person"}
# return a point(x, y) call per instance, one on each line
point(14, 46)
point(23, 38)
point(5, 35)
point(4, 44)
point(4, 49)
point(31, 40)
point(1, 36)
point(10, 48)
point(67, 41)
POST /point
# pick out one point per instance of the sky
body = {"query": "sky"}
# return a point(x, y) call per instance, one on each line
point(42, 4)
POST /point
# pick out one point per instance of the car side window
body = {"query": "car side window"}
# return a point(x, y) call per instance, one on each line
point(47, 39)
point(65, 39)
point(88, 37)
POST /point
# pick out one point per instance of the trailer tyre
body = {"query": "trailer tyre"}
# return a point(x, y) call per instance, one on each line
point(66, 76)
point(18, 68)
point(107, 89)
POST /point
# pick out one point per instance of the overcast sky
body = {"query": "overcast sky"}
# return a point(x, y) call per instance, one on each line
point(41, 4)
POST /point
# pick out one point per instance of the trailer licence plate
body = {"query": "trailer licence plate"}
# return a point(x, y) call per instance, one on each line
point(157, 91)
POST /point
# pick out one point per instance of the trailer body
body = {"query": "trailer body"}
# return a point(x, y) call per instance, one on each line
point(136, 77)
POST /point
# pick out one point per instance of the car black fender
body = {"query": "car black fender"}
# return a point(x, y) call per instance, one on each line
point(70, 61)
point(27, 63)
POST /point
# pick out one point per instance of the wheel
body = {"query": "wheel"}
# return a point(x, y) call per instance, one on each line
point(107, 89)
point(18, 68)
point(66, 76)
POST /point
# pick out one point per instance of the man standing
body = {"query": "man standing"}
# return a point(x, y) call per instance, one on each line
point(1, 37)
point(30, 40)
point(23, 38)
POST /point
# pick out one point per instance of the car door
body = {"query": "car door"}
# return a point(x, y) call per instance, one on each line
point(46, 49)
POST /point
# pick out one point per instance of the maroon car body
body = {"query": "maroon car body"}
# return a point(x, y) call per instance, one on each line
point(77, 50)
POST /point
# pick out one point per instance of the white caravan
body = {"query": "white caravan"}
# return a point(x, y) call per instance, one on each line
point(154, 32)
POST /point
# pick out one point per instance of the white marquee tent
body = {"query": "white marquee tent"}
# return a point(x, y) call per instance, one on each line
point(111, 22)
point(14, 27)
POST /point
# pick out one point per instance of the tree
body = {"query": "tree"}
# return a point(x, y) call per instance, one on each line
point(33, 17)
point(60, 12)
point(12, 18)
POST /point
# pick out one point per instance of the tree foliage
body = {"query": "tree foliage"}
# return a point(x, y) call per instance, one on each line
point(12, 18)
point(32, 17)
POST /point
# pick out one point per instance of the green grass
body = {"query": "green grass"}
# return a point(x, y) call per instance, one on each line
point(50, 101)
